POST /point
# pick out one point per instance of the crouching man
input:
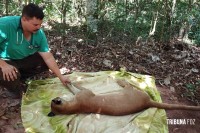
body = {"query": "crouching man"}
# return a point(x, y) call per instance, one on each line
point(24, 49)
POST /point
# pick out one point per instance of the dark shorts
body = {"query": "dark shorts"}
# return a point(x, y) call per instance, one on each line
point(27, 67)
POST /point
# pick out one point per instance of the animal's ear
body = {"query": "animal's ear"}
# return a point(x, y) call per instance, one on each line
point(51, 114)
point(57, 101)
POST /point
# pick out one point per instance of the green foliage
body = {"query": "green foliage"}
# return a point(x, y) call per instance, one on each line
point(10, 8)
point(188, 17)
point(193, 86)
point(194, 21)
point(1, 9)
point(191, 89)
point(123, 20)
point(161, 20)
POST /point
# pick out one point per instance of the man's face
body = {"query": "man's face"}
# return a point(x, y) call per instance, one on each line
point(31, 25)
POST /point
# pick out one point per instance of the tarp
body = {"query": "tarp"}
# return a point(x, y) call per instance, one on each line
point(36, 105)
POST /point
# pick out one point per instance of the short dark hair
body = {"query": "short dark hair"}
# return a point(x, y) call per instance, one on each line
point(32, 10)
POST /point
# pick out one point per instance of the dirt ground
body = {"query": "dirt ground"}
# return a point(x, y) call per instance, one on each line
point(175, 67)
point(192, 118)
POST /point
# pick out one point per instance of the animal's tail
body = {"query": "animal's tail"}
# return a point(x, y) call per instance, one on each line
point(173, 106)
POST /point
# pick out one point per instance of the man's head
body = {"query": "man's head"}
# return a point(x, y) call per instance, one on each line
point(57, 106)
point(32, 17)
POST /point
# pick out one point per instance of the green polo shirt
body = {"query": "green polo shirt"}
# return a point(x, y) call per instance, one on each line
point(13, 44)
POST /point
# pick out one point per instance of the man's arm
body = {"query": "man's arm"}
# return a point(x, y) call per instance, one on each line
point(51, 63)
point(9, 72)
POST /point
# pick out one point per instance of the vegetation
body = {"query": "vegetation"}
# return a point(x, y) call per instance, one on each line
point(160, 20)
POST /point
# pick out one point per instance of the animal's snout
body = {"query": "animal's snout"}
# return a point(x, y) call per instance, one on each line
point(57, 100)
point(51, 114)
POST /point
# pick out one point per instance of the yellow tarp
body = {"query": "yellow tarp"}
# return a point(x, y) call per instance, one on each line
point(36, 106)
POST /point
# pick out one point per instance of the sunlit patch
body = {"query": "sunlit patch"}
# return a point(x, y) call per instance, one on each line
point(146, 126)
point(98, 116)
point(74, 68)
point(113, 74)
point(29, 130)
point(64, 70)
point(142, 85)
point(79, 78)
point(37, 112)
point(80, 40)
point(149, 81)
point(133, 79)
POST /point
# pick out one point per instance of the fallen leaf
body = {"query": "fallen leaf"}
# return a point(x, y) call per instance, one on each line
point(172, 88)
point(189, 73)
point(108, 63)
point(167, 80)
point(2, 112)
point(195, 70)
point(4, 118)
point(14, 103)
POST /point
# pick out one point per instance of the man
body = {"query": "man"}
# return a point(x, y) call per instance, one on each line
point(24, 50)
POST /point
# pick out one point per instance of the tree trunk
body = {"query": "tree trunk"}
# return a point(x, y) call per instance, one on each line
point(64, 12)
point(167, 23)
point(7, 2)
point(91, 19)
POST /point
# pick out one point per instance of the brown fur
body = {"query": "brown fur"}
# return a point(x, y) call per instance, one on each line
point(127, 101)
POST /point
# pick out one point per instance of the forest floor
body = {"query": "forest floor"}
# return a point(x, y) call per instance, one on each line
point(175, 67)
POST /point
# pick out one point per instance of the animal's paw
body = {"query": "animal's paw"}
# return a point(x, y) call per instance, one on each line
point(122, 83)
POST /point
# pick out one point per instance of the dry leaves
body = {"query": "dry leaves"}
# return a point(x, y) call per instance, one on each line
point(175, 65)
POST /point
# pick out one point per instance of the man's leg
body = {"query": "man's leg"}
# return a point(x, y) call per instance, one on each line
point(13, 86)
point(27, 67)
point(31, 65)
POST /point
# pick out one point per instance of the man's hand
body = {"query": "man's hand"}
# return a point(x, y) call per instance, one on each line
point(51, 63)
point(65, 80)
point(9, 72)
